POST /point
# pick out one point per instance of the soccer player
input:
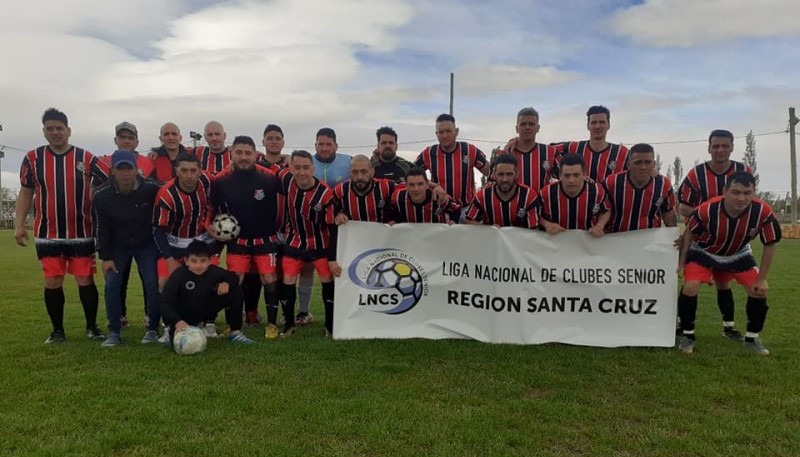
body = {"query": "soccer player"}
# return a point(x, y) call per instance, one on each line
point(250, 194)
point(310, 212)
point(451, 162)
point(363, 197)
point(165, 157)
point(330, 168)
point(573, 203)
point(706, 181)
point(57, 181)
point(716, 246)
point(415, 202)
point(215, 157)
point(505, 203)
point(123, 215)
point(388, 164)
point(198, 289)
point(274, 142)
point(535, 160)
point(602, 158)
point(639, 198)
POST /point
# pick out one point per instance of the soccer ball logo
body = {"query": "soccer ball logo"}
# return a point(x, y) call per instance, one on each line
point(226, 226)
point(399, 275)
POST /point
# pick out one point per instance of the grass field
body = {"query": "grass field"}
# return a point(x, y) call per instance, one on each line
point(309, 396)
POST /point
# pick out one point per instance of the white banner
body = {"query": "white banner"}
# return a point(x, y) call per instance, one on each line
point(506, 285)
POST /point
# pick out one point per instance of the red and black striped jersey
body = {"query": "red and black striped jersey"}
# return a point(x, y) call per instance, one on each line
point(573, 213)
point(309, 213)
point(370, 207)
point(518, 211)
point(403, 209)
point(210, 162)
point(535, 166)
point(453, 170)
point(183, 214)
point(62, 196)
point(144, 164)
point(635, 208)
point(702, 183)
point(599, 164)
point(715, 232)
point(263, 160)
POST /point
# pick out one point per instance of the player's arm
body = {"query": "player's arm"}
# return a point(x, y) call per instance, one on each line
point(24, 203)
point(686, 242)
point(670, 218)
point(761, 287)
point(685, 210)
point(103, 233)
point(599, 229)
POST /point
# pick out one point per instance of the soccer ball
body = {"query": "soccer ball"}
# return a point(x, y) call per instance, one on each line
point(189, 341)
point(226, 226)
point(399, 275)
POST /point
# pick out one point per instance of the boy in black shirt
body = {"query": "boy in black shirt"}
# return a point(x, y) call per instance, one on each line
point(198, 289)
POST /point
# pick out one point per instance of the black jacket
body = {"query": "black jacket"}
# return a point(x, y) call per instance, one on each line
point(123, 222)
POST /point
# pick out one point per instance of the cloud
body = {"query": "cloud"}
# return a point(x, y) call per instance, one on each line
point(689, 22)
point(478, 79)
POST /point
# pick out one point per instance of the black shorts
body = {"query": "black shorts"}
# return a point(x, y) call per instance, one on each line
point(80, 247)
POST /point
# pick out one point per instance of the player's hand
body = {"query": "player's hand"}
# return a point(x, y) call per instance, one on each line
point(213, 232)
point(759, 289)
point(552, 228)
point(223, 288)
point(340, 219)
point(109, 265)
point(511, 145)
point(336, 269)
point(597, 231)
point(390, 223)
point(172, 264)
point(181, 325)
point(449, 222)
point(21, 235)
point(440, 195)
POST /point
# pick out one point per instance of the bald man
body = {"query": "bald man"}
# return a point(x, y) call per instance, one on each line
point(165, 155)
point(214, 157)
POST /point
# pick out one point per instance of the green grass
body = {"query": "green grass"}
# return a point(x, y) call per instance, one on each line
point(311, 396)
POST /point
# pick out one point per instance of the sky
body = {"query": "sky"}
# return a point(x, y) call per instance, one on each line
point(670, 71)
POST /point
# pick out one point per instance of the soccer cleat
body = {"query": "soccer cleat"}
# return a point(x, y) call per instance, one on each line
point(164, 339)
point(94, 333)
point(112, 340)
point(57, 336)
point(732, 334)
point(123, 321)
point(756, 347)
point(150, 336)
point(686, 344)
point(287, 332)
point(239, 337)
point(271, 332)
point(211, 330)
point(304, 319)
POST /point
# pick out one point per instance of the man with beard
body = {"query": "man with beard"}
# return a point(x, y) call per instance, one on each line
point(415, 203)
point(250, 194)
point(388, 165)
point(506, 203)
point(573, 203)
point(702, 183)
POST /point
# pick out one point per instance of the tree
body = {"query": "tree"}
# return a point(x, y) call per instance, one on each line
point(677, 171)
point(750, 154)
point(658, 163)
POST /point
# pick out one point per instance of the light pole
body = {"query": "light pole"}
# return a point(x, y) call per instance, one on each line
point(195, 138)
point(2, 192)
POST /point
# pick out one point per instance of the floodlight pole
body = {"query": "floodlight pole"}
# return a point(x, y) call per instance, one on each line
point(451, 93)
point(793, 158)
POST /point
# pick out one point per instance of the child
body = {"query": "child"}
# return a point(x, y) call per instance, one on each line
point(198, 289)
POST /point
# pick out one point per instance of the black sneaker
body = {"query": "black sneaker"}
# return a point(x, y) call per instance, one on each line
point(57, 336)
point(94, 333)
point(732, 334)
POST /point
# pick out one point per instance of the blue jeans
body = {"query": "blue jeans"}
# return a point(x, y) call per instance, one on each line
point(146, 259)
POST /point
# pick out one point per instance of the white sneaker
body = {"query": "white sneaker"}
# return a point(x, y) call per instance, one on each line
point(211, 330)
point(164, 338)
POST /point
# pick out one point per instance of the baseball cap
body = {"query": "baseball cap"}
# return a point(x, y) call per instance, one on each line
point(121, 156)
point(126, 126)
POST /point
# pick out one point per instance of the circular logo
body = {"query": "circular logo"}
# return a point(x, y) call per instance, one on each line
point(190, 285)
point(390, 272)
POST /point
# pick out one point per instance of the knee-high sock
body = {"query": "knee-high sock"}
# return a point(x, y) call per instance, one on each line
point(725, 304)
point(305, 286)
point(756, 314)
point(687, 311)
point(54, 302)
point(287, 298)
point(251, 286)
point(327, 300)
point(271, 299)
point(90, 302)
